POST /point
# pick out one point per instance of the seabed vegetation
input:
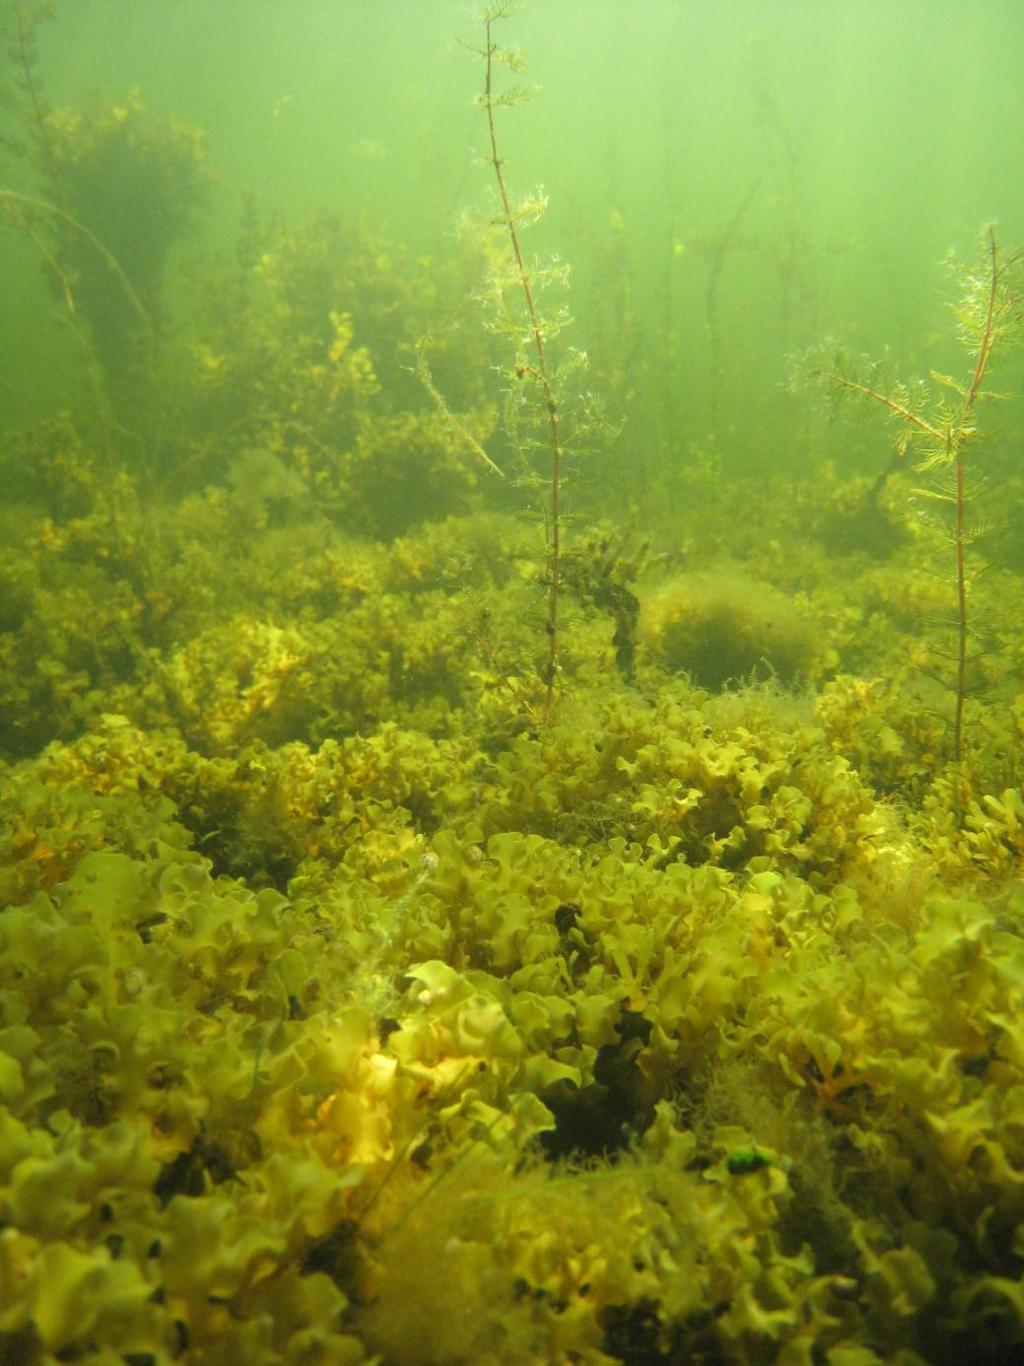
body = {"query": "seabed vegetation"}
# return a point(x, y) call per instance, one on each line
point(441, 923)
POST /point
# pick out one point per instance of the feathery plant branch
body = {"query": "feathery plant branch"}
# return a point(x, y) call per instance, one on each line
point(21, 93)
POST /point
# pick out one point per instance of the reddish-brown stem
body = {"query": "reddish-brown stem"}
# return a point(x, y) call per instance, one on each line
point(541, 374)
point(961, 604)
point(988, 331)
point(953, 441)
point(957, 441)
point(907, 414)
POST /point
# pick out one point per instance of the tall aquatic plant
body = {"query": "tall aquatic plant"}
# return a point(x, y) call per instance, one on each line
point(533, 378)
point(938, 422)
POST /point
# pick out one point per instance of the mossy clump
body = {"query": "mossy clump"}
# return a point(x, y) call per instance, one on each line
point(721, 626)
point(571, 1263)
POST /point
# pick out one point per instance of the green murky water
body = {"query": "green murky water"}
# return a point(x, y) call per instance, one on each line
point(510, 682)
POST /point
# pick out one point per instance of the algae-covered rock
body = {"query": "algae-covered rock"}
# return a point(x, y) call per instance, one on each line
point(722, 625)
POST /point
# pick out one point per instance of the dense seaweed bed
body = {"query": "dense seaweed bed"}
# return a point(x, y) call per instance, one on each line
point(350, 1007)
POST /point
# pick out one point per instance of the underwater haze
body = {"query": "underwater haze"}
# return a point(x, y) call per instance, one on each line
point(763, 171)
point(511, 701)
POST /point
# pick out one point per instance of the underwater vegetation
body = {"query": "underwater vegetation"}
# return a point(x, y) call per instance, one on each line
point(941, 427)
point(438, 929)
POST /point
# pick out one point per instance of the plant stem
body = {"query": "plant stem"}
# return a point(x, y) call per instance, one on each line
point(900, 410)
point(17, 200)
point(950, 441)
point(961, 602)
point(541, 374)
point(957, 441)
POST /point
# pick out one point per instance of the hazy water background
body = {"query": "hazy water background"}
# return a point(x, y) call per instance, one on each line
point(816, 160)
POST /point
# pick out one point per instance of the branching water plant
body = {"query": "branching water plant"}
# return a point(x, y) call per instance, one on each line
point(530, 331)
point(20, 93)
point(938, 423)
